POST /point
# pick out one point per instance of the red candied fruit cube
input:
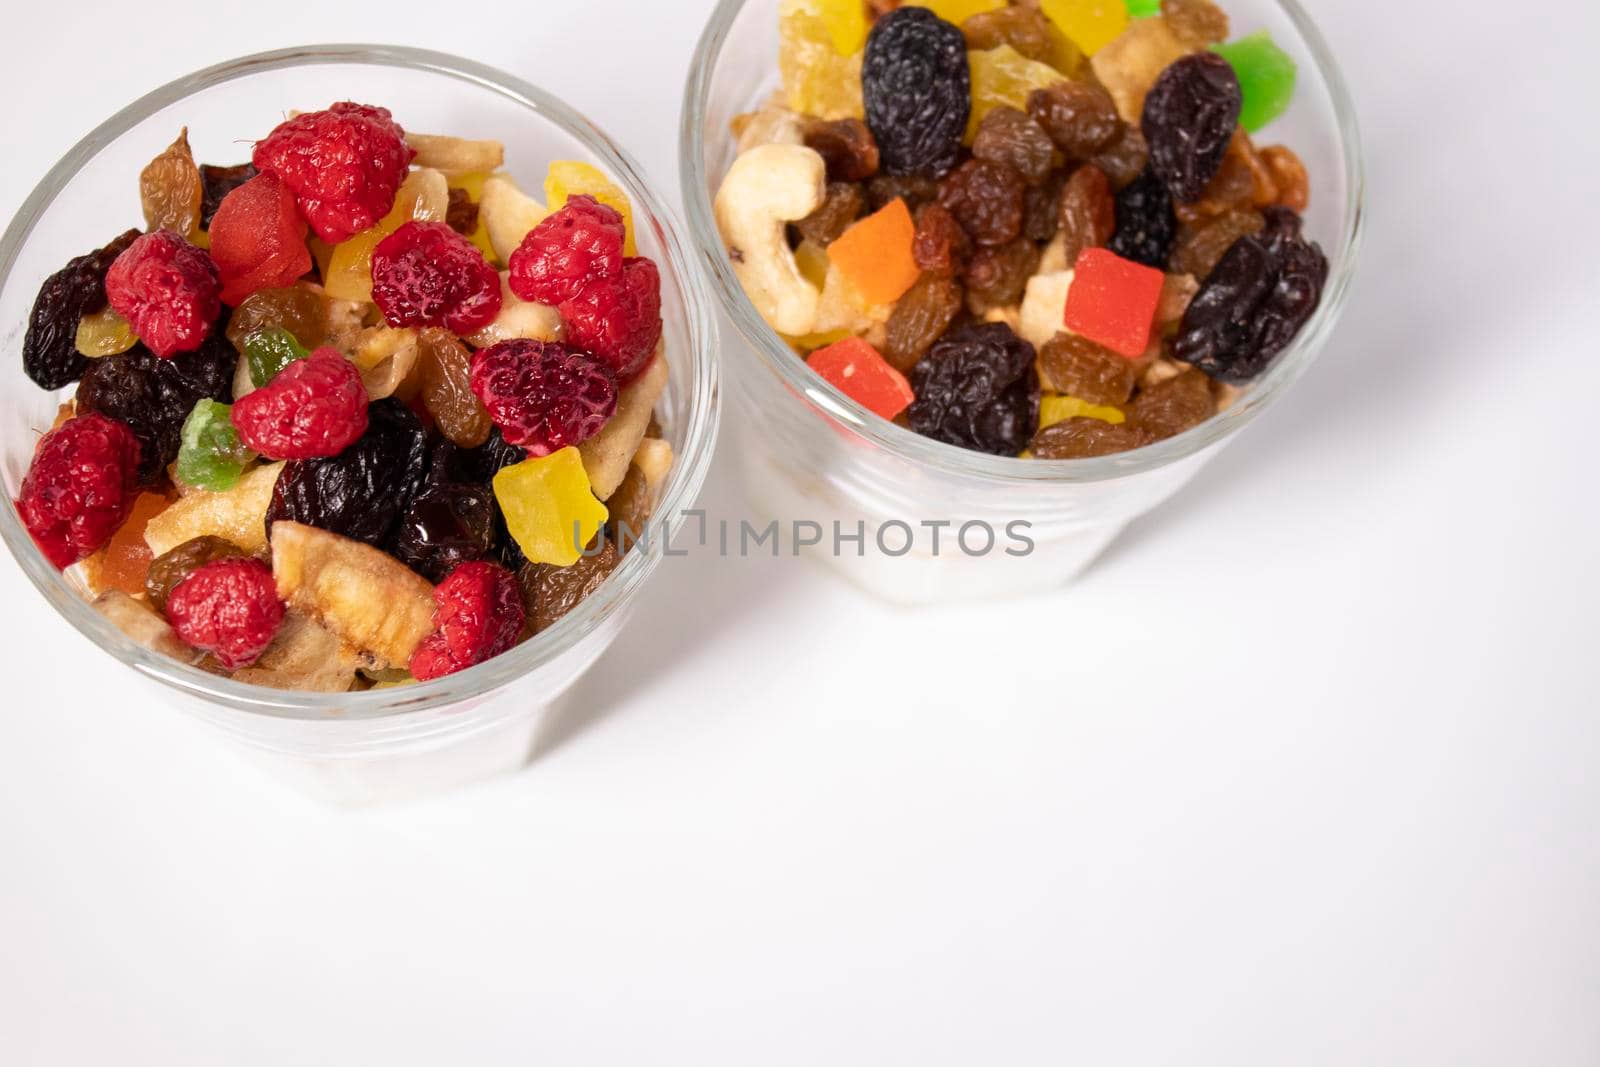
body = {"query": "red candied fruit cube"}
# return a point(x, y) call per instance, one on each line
point(857, 370)
point(258, 239)
point(1113, 301)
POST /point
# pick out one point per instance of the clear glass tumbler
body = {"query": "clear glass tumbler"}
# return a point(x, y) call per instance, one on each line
point(811, 454)
point(375, 745)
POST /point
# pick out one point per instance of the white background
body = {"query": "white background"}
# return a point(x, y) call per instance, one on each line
point(1304, 773)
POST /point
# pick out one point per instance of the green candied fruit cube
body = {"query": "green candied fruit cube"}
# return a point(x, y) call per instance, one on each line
point(1142, 9)
point(1266, 74)
point(210, 455)
point(270, 350)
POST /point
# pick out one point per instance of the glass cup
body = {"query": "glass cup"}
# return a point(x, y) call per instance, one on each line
point(810, 454)
point(375, 745)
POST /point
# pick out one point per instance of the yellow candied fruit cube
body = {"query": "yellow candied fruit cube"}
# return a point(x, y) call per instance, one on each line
point(549, 507)
point(846, 21)
point(1091, 24)
point(957, 11)
point(817, 80)
point(104, 333)
point(472, 185)
point(570, 178)
point(423, 196)
point(1003, 76)
point(1054, 409)
point(813, 341)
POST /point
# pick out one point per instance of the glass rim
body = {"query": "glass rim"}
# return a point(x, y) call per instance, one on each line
point(700, 411)
point(781, 360)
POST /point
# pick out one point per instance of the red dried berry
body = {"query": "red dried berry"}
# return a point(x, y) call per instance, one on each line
point(426, 274)
point(344, 165)
point(258, 239)
point(543, 395)
point(229, 608)
point(479, 615)
point(315, 407)
point(577, 245)
point(168, 290)
point(618, 320)
point(80, 487)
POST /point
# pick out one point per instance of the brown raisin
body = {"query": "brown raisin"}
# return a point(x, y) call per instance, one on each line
point(839, 209)
point(1196, 23)
point(1294, 184)
point(462, 214)
point(941, 245)
point(1078, 116)
point(847, 147)
point(630, 507)
point(551, 592)
point(1023, 28)
point(1078, 367)
point(178, 563)
point(1243, 180)
point(1173, 406)
point(1088, 211)
point(1200, 246)
point(1013, 139)
point(885, 189)
point(986, 198)
point(1083, 438)
point(1125, 158)
point(997, 276)
point(446, 390)
point(170, 190)
point(1041, 209)
point(920, 318)
point(300, 309)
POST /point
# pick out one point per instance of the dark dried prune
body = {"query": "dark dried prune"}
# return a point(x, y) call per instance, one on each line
point(154, 396)
point(986, 198)
point(1146, 225)
point(362, 492)
point(997, 277)
point(941, 245)
point(50, 349)
point(920, 318)
point(1199, 247)
point(551, 592)
point(977, 388)
point(218, 182)
point(884, 190)
point(1083, 438)
point(1125, 158)
point(1088, 211)
point(917, 88)
point(839, 209)
point(1251, 306)
point(1013, 139)
point(462, 214)
point(847, 147)
point(1076, 366)
point(1170, 407)
point(446, 525)
point(1079, 117)
point(1189, 119)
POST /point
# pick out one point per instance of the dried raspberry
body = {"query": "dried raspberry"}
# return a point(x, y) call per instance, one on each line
point(344, 165)
point(80, 487)
point(618, 320)
point(426, 274)
point(258, 239)
point(479, 615)
point(577, 245)
point(542, 395)
point(229, 608)
point(168, 290)
point(315, 407)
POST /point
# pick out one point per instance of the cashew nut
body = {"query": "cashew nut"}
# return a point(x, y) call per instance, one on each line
point(766, 188)
point(1044, 305)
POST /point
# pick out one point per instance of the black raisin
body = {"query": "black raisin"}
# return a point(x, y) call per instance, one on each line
point(917, 88)
point(977, 388)
point(1253, 304)
point(1189, 119)
point(445, 526)
point(362, 492)
point(154, 396)
point(1146, 223)
point(50, 348)
point(218, 182)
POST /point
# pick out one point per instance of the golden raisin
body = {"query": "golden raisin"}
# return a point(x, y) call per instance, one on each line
point(1012, 138)
point(1078, 116)
point(1088, 211)
point(1177, 290)
point(170, 189)
point(447, 388)
point(920, 318)
point(300, 309)
point(1170, 407)
point(1076, 366)
point(1023, 28)
point(1125, 158)
point(462, 214)
point(1243, 180)
point(1196, 23)
point(1200, 246)
point(172, 567)
point(1084, 438)
point(551, 592)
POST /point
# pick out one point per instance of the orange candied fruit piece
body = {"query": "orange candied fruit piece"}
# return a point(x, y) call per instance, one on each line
point(874, 255)
point(126, 559)
point(857, 370)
